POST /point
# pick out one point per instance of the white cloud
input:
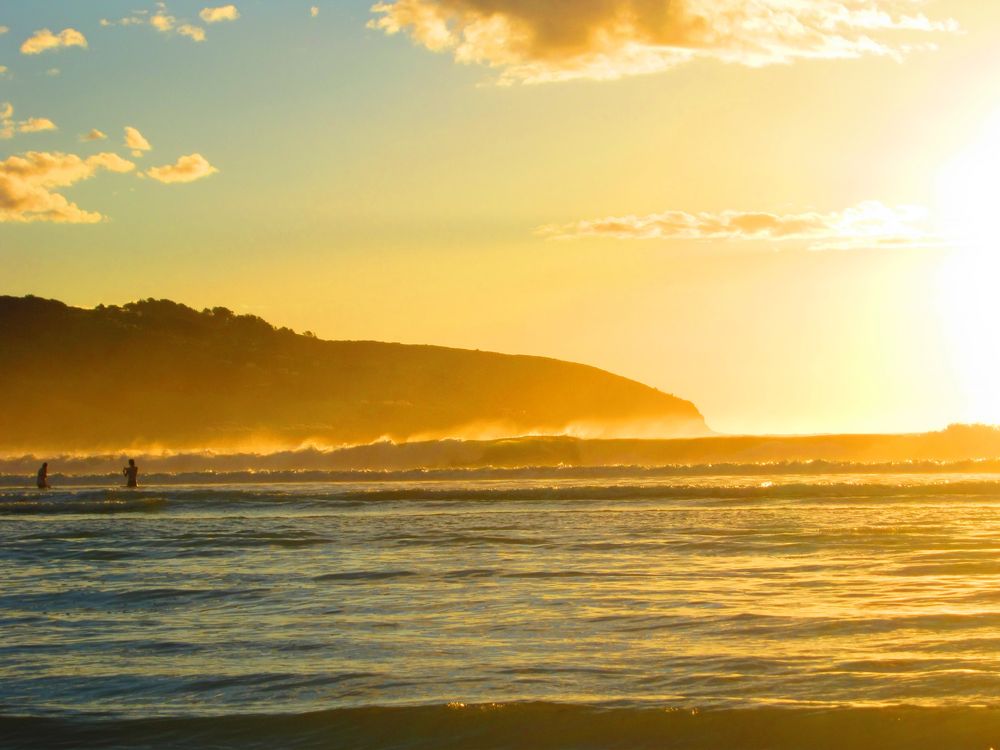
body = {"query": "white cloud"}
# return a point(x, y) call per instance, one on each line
point(44, 39)
point(94, 135)
point(135, 141)
point(187, 169)
point(867, 225)
point(539, 41)
point(28, 185)
point(221, 13)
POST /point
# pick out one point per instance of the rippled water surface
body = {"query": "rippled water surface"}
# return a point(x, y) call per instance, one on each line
point(762, 612)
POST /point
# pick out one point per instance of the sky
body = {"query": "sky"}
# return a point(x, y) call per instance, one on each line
point(782, 211)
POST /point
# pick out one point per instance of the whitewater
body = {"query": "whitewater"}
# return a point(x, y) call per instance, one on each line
point(838, 610)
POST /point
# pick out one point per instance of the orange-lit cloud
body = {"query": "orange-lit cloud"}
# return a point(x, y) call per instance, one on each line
point(94, 135)
point(867, 225)
point(28, 185)
point(32, 125)
point(314, 11)
point(538, 41)
point(6, 120)
point(192, 32)
point(187, 169)
point(221, 13)
point(4, 30)
point(135, 141)
point(44, 39)
point(36, 125)
point(161, 20)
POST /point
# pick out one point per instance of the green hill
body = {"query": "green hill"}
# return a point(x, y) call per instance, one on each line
point(158, 374)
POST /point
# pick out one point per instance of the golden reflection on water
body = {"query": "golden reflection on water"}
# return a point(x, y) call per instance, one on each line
point(710, 593)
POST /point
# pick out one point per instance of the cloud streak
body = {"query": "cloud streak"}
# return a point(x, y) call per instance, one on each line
point(29, 185)
point(221, 13)
point(187, 169)
point(536, 41)
point(867, 225)
point(43, 40)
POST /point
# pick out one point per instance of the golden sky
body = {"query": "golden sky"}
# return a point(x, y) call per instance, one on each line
point(781, 210)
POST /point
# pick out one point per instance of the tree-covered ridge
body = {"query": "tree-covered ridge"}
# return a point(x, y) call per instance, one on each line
point(158, 373)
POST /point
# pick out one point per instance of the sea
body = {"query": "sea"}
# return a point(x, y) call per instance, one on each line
point(758, 612)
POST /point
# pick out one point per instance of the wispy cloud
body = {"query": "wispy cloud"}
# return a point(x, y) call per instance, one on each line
point(94, 135)
point(867, 225)
point(138, 18)
point(220, 13)
point(314, 11)
point(4, 30)
point(6, 120)
point(187, 169)
point(192, 32)
point(29, 185)
point(162, 20)
point(44, 39)
point(8, 126)
point(136, 141)
point(535, 42)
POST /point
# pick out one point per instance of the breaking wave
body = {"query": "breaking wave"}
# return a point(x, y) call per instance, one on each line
point(826, 489)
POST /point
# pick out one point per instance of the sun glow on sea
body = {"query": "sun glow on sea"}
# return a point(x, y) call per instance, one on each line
point(968, 203)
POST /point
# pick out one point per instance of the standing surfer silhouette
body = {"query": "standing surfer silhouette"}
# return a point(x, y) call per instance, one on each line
point(132, 473)
point(43, 477)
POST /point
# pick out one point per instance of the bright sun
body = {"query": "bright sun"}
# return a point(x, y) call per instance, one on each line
point(968, 207)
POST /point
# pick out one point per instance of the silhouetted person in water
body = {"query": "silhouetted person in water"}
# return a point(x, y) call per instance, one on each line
point(132, 472)
point(43, 477)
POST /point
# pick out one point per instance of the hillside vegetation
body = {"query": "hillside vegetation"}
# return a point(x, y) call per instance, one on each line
point(159, 374)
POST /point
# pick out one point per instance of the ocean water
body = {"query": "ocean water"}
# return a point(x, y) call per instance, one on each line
point(838, 611)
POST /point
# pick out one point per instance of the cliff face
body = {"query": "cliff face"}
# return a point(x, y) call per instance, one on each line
point(156, 373)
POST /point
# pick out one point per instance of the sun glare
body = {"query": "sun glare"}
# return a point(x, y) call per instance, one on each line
point(968, 199)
